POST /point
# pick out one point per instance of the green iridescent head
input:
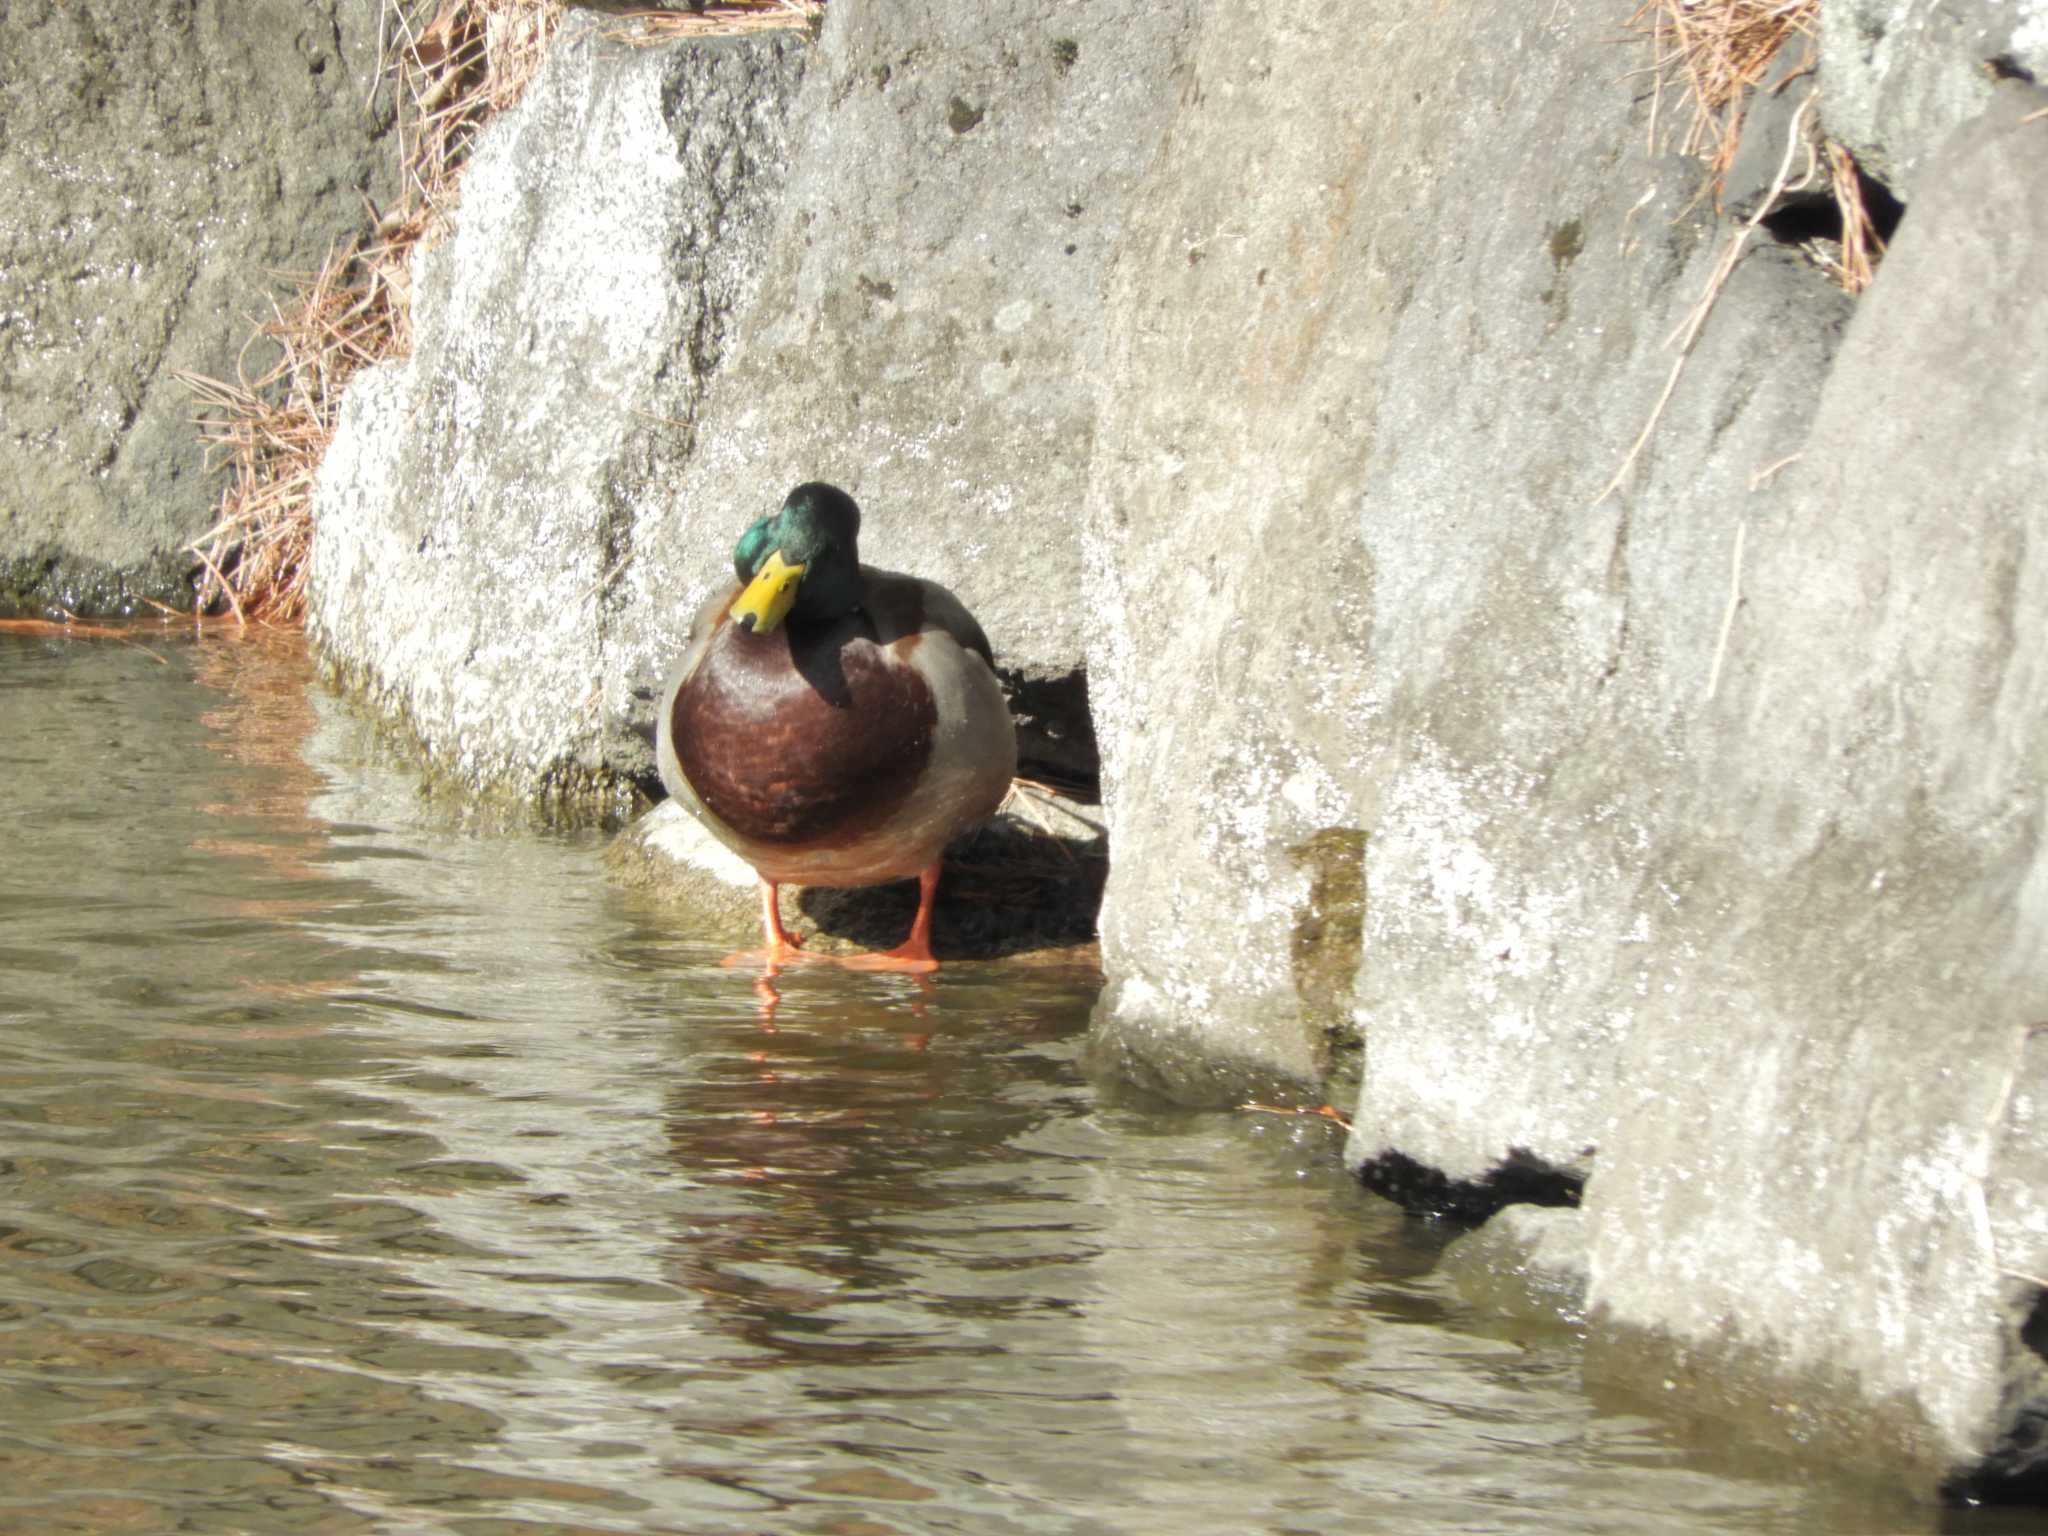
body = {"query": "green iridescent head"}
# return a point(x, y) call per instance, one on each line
point(801, 564)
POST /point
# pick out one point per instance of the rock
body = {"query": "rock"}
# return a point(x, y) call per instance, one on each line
point(518, 594)
point(923, 301)
point(1529, 1262)
point(1740, 932)
point(483, 497)
point(1821, 1134)
point(160, 167)
point(668, 855)
point(1781, 105)
point(1898, 76)
point(1353, 577)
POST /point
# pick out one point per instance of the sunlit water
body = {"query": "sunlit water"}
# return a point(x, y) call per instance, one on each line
point(359, 1172)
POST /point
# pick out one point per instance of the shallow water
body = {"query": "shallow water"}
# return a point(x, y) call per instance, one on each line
point(360, 1172)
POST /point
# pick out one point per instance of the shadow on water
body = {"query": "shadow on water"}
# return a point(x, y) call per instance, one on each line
point(359, 1172)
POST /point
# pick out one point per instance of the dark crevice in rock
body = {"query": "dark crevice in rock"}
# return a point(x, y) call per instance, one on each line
point(1816, 215)
point(2014, 1475)
point(1055, 732)
point(1521, 1178)
point(629, 748)
point(2016, 1471)
point(2034, 1330)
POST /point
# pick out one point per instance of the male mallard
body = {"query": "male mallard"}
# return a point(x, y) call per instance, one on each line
point(834, 724)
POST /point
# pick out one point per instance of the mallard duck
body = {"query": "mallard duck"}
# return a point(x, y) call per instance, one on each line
point(834, 724)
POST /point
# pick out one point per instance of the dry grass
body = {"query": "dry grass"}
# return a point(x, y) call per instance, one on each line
point(1862, 246)
point(1688, 331)
point(649, 26)
point(1713, 54)
point(452, 74)
point(273, 429)
point(468, 62)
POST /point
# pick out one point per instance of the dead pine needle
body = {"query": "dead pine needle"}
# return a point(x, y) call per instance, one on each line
point(652, 26)
point(71, 627)
point(1713, 53)
point(1688, 330)
point(1023, 797)
point(603, 583)
point(1862, 246)
point(1321, 1111)
point(1728, 613)
point(1769, 472)
point(65, 629)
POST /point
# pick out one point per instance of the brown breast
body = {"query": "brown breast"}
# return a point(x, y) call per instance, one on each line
point(800, 736)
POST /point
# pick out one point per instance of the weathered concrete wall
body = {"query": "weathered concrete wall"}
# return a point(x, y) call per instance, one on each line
point(483, 496)
point(1745, 939)
point(1678, 844)
point(1352, 556)
point(159, 164)
point(1848, 1177)
point(1902, 75)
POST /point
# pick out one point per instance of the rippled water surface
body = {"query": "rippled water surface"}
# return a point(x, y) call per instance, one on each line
point(361, 1173)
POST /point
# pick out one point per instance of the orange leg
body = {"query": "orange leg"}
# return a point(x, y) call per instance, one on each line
point(915, 952)
point(772, 932)
point(777, 948)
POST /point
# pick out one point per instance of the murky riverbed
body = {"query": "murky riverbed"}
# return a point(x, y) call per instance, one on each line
point(360, 1172)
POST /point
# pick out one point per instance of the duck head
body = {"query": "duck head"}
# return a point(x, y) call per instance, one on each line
point(802, 563)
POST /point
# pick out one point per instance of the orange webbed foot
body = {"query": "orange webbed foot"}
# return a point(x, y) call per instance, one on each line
point(914, 954)
point(777, 947)
point(771, 958)
point(915, 960)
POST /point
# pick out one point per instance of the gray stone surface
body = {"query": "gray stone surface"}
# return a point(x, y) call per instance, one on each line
point(1899, 76)
point(1821, 1137)
point(1352, 572)
point(484, 495)
point(159, 164)
point(1530, 1262)
point(1744, 936)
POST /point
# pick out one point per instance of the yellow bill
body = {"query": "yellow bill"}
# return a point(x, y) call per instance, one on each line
point(769, 596)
